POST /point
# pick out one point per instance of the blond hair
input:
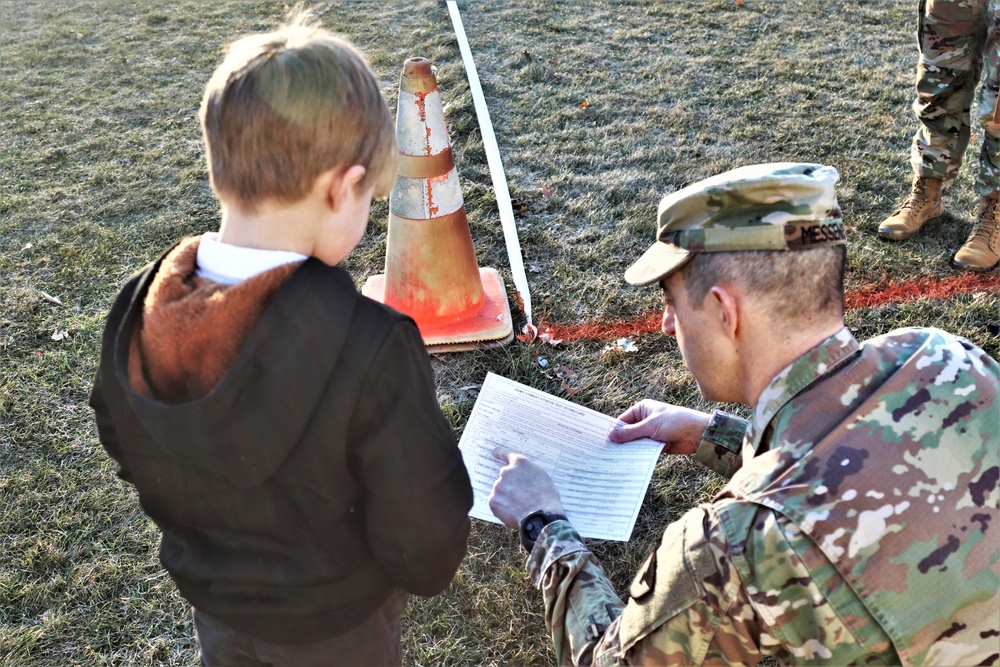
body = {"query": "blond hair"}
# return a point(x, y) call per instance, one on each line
point(285, 106)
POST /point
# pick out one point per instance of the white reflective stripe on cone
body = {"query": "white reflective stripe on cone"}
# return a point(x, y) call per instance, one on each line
point(420, 127)
point(425, 198)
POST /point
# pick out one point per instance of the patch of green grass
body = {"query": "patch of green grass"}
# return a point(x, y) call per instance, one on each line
point(600, 108)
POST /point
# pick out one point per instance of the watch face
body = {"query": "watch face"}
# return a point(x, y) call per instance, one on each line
point(533, 527)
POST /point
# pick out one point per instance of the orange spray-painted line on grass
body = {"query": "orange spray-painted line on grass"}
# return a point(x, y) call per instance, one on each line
point(891, 292)
point(921, 288)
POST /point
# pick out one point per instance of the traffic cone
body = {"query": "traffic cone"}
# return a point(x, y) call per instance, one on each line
point(431, 272)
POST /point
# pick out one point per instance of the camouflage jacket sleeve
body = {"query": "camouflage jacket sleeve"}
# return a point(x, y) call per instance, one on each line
point(686, 604)
point(721, 443)
point(580, 603)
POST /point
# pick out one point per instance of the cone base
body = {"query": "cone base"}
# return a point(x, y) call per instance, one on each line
point(490, 326)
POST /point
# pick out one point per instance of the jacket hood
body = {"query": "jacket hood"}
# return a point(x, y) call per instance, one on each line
point(245, 427)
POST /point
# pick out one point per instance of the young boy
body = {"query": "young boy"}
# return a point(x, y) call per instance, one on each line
point(283, 431)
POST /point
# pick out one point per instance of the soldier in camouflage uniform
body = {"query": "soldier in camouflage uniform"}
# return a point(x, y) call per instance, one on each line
point(958, 40)
point(860, 522)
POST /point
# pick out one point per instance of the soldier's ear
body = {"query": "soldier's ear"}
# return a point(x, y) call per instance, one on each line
point(726, 306)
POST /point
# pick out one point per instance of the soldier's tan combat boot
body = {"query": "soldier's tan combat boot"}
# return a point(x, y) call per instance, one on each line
point(923, 204)
point(981, 251)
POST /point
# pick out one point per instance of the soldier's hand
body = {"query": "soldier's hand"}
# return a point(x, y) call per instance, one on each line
point(679, 429)
point(522, 488)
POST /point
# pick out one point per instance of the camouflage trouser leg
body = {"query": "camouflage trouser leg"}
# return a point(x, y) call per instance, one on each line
point(989, 111)
point(958, 39)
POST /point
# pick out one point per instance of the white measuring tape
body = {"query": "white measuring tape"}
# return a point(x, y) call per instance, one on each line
point(495, 165)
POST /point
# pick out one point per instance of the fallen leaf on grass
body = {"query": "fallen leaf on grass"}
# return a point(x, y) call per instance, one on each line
point(546, 191)
point(59, 335)
point(566, 377)
point(526, 55)
point(547, 337)
point(564, 372)
point(739, 3)
point(620, 346)
point(471, 390)
point(583, 105)
point(530, 332)
point(49, 297)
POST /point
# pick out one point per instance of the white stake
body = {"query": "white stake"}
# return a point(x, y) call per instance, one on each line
point(495, 165)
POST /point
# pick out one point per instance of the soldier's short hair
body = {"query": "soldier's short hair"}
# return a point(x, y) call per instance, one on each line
point(792, 285)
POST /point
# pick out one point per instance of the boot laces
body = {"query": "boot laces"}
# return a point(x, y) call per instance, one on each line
point(987, 226)
point(918, 198)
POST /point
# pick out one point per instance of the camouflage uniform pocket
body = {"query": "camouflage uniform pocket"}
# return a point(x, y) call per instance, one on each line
point(668, 583)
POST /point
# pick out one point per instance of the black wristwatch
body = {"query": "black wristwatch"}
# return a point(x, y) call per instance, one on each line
point(531, 526)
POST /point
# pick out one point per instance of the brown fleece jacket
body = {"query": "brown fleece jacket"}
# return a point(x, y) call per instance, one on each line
point(314, 479)
point(193, 328)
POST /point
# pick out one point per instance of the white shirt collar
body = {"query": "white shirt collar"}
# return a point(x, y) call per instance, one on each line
point(230, 264)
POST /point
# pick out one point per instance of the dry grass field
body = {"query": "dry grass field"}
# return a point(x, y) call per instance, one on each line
point(600, 107)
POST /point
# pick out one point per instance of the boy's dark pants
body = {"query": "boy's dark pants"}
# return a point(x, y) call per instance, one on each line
point(375, 642)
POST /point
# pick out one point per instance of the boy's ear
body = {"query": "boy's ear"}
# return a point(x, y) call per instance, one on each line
point(339, 184)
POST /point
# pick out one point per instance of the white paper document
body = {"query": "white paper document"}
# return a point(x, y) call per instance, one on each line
point(602, 484)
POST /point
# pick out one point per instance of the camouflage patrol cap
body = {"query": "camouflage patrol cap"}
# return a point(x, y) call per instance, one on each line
point(778, 206)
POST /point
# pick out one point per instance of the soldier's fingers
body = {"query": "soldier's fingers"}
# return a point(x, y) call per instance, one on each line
point(633, 414)
point(504, 455)
point(624, 432)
